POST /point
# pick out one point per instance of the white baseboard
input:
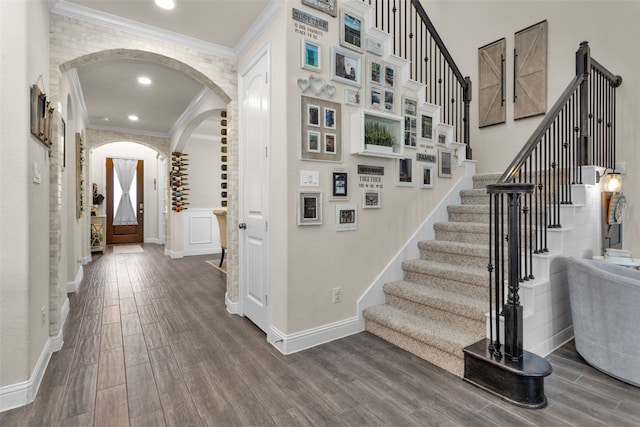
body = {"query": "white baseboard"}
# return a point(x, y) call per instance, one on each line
point(173, 254)
point(232, 307)
point(152, 240)
point(23, 393)
point(203, 251)
point(75, 285)
point(288, 344)
point(554, 342)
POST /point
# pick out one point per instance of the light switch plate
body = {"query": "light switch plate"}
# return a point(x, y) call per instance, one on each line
point(309, 178)
point(37, 174)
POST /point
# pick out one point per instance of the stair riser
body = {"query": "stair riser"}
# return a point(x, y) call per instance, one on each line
point(463, 237)
point(481, 181)
point(465, 217)
point(476, 290)
point(476, 325)
point(446, 257)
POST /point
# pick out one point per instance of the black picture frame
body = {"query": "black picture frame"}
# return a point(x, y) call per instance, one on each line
point(340, 184)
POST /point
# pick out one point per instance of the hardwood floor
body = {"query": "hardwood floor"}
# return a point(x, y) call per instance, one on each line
point(148, 342)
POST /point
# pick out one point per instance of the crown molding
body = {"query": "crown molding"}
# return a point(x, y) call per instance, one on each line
point(259, 26)
point(82, 13)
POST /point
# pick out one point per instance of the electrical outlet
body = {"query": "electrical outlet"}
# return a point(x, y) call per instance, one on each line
point(43, 315)
point(337, 295)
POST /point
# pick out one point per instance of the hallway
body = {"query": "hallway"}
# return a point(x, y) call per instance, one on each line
point(148, 342)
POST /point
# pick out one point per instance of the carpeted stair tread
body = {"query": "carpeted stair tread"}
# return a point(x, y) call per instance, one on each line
point(455, 248)
point(460, 273)
point(440, 335)
point(461, 305)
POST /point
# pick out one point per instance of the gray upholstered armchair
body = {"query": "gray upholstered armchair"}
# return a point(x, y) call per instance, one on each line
point(605, 306)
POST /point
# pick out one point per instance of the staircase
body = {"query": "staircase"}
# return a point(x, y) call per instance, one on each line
point(440, 306)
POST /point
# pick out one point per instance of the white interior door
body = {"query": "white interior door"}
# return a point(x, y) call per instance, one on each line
point(254, 128)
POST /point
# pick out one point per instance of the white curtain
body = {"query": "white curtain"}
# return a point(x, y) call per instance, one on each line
point(125, 170)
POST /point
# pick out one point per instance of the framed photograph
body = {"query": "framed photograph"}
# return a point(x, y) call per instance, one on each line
point(313, 115)
point(351, 30)
point(375, 72)
point(426, 128)
point(352, 97)
point(426, 176)
point(321, 130)
point(389, 76)
point(410, 107)
point(346, 217)
point(345, 66)
point(313, 141)
point(370, 199)
point(310, 208)
point(326, 6)
point(442, 138)
point(310, 55)
point(389, 100)
point(374, 46)
point(410, 131)
point(405, 172)
point(375, 97)
point(329, 118)
point(330, 143)
point(339, 184)
point(445, 163)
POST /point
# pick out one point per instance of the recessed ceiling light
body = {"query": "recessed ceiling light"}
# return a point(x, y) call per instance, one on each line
point(133, 118)
point(166, 4)
point(143, 80)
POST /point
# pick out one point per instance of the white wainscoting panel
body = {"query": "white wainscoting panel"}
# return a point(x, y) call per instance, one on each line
point(200, 231)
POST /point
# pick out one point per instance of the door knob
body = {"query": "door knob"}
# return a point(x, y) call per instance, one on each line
point(242, 226)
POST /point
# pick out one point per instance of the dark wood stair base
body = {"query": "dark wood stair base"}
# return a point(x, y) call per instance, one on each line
point(520, 383)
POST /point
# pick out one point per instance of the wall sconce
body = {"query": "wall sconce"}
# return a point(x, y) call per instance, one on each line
point(612, 181)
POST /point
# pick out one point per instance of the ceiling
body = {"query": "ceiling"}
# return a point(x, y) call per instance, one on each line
point(110, 90)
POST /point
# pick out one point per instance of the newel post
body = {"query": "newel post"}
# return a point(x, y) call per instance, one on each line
point(583, 67)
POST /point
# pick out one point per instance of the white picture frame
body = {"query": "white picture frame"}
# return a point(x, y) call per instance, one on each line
point(351, 30)
point(313, 115)
point(346, 217)
point(310, 55)
point(404, 172)
point(426, 127)
point(352, 97)
point(313, 142)
point(329, 142)
point(445, 163)
point(375, 71)
point(426, 176)
point(345, 66)
point(375, 46)
point(329, 118)
point(309, 208)
point(371, 199)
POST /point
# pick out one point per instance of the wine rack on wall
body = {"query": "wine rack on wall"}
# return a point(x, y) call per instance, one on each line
point(178, 174)
point(223, 157)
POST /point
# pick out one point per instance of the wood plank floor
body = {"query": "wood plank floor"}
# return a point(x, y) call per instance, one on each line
point(148, 342)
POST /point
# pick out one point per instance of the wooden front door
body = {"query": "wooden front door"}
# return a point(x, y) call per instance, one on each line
point(117, 234)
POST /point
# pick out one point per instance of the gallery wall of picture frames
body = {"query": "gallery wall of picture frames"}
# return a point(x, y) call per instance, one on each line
point(370, 86)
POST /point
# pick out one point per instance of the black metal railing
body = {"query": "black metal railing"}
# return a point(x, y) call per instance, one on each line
point(578, 130)
point(415, 38)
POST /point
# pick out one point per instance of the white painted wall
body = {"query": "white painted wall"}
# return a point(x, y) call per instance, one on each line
point(608, 26)
point(24, 205)
point(204, 173)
